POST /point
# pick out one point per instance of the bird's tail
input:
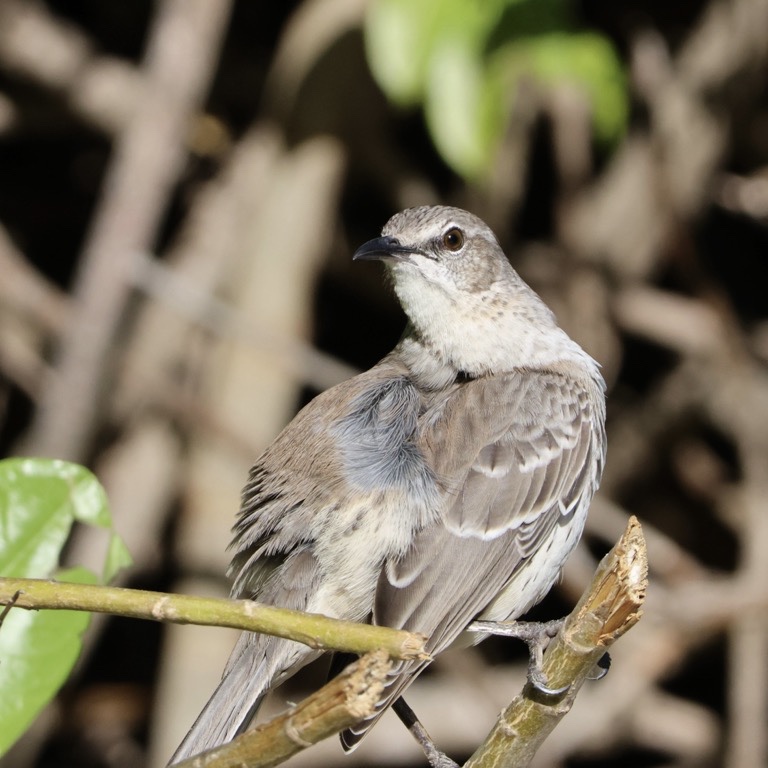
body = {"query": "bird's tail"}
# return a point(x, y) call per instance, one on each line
point(257, 664)
point(230, 709)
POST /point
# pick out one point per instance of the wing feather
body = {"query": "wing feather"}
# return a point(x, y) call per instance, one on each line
point(517, 456)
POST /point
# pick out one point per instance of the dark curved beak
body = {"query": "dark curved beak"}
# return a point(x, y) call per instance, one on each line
point(382, 248)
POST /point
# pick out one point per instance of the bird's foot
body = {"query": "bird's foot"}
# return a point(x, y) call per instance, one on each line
point(436, 758)
point(536, 635)
point(600, 670)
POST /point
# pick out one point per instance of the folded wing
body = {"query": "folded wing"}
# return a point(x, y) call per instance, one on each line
point(516, 455)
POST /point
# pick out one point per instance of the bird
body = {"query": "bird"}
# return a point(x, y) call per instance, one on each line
point(446, 484)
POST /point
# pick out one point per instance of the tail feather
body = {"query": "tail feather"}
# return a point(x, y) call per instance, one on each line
point(257, 664)
point(399, 678)
point(229, 710)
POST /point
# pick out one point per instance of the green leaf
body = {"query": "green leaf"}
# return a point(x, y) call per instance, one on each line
point(40, 500)
point(524, 18)
point(37, 652)
point(401, 37)
point(589, 61)
point(462, 117)
point(118, 557)
point(397, 45)
point(463, 61)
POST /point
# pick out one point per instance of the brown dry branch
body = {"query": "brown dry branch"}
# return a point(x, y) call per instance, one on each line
point(300, 359)
point(626, 217)
point(345, 701)
point(53, 53)
point(32, 310)
point(148, 158)
point(611, 606)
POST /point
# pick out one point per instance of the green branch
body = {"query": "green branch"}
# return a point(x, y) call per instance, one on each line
point(608, 608)
point(311, 629)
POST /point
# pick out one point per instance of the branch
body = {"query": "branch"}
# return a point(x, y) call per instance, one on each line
point(52, 52)
point(148, 158)
point(610, 607)
point(312, 629)
point(343, 702)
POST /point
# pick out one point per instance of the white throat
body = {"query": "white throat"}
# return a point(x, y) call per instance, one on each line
point(492, 331)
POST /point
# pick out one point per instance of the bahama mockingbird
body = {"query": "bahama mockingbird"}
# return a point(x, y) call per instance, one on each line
point(446, 484)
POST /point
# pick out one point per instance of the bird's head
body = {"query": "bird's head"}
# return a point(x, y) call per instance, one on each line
point(439, 247)
point(464, 300)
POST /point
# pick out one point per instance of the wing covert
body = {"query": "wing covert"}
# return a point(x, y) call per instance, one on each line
point(517, 455)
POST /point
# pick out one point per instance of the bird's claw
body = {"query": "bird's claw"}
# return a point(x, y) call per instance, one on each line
point(538, 681)
point(536, 635)
point(600, 670)
point(435, 757)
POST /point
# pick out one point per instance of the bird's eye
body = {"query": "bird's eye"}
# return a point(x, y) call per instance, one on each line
point(453, 239)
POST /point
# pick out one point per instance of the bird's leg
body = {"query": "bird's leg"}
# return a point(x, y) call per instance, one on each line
point(600, 670)
point(536, 635)
point(9, 605)
point(436, 758)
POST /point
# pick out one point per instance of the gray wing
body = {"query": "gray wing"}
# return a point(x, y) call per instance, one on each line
point(341, 455)
point(273, 557)
point(518, 455)
point(345, 451)
point(294, 481)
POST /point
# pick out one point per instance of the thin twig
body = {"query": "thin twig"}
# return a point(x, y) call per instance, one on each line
point(345, 701)
point(55, 54)
point(7, 607)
